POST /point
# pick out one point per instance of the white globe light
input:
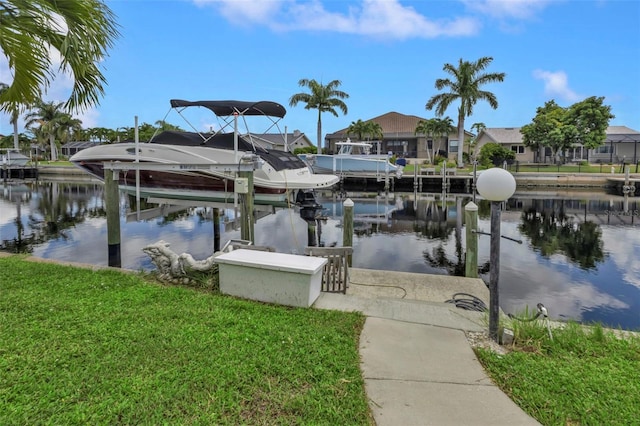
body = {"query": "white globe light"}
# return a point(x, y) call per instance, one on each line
point(496, 184)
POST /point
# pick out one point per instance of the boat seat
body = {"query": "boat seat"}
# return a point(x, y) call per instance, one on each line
point(335, 275)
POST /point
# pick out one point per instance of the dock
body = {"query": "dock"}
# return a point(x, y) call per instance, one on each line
point(21, 173)
point(420, 182)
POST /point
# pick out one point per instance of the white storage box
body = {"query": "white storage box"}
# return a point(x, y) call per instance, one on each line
point(286, 279)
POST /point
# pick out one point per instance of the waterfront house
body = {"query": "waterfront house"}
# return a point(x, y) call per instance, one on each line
point(399, 138)
point(621, 144)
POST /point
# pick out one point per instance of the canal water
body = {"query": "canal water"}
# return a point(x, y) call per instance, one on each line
point(579, 253)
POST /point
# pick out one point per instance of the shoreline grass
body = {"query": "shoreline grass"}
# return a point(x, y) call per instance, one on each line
point(583, 376)
point(107, 347)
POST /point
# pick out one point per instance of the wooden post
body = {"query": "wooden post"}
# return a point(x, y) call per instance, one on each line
point(246, 220)
point(112, 201)
point(216, 230)
point(347, 227)
point(471, 226)
point(311, 233)
point(494, 271)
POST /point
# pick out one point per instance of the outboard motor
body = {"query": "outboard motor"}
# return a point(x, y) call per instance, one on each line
point(309, 207)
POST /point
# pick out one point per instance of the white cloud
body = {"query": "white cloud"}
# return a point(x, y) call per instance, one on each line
point(378, 18)
point(556, 84)
point(508, 9)
point(245, 12)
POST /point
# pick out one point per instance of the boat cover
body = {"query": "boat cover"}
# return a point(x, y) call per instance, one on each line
point(228, 108)
point(279, 160)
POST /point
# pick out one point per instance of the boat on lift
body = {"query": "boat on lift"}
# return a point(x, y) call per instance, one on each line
point(277, 175)
point(12, 158)
point(352, 158)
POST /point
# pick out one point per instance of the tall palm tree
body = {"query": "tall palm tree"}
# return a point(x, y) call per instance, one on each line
point(465, 85)
point(50, 120)
point(324, 98)
point(81, 32)
point(14, 113)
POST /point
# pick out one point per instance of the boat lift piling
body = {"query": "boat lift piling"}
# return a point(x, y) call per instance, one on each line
point(112, 199)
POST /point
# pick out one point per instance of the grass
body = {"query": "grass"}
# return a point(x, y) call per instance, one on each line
point(409, 169)
point(583, 376)
point(59, 163)
point(107, 347)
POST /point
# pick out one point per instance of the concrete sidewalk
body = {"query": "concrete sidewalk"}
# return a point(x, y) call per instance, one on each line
point(417, 364)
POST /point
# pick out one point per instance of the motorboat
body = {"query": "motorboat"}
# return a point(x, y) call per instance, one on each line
point(204, 166)
point(12, 158)
point(352, 157)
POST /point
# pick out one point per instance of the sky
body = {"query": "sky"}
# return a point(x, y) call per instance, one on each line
point(387, 54)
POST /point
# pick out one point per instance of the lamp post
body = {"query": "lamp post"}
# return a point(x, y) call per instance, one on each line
point(495, 185)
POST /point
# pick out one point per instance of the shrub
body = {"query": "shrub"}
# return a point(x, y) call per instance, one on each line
point(305, 150)
point(494, 154)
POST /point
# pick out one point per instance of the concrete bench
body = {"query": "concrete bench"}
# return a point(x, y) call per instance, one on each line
point(281, 278)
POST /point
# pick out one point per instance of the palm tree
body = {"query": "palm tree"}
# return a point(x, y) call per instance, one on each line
point(81, 32)
point(14, 114)
point(51, 121)
point(68, 127)
point(425, 127)
point(465, 85)
point(374, 131)
point(442, 128)
point(477, 127)
point(324, 98)
point(358, 128)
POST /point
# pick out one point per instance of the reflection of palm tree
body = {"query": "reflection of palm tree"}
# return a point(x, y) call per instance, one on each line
point(550, 233)
point(439, 259)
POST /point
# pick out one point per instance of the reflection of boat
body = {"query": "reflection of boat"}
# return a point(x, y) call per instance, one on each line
point(13, 158)
point(276, 176)
point(352, 157)
point(378, 210)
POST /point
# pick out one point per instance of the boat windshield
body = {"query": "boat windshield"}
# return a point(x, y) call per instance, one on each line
point(353, 148)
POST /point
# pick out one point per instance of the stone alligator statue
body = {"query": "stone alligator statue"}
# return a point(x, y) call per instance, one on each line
point(173, 267)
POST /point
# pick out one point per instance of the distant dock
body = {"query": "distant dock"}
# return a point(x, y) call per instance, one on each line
point(21, 173)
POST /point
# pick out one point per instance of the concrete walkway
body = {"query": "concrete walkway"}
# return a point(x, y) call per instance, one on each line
point(418, 367)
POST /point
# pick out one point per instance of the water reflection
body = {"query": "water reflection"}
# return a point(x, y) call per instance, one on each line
point(579, 256)
point(552, 231)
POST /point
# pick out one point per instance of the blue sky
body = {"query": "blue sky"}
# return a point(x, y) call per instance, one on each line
point(386, 53)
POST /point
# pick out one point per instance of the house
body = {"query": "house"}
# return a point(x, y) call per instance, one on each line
point(509, 138)
point(399, 138)
point(621, 144)
point(283, 142)
point(70, 148)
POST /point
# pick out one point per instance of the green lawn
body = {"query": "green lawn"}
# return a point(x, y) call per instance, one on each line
point(106, 347)
point(535, 168)
point(584, 376)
